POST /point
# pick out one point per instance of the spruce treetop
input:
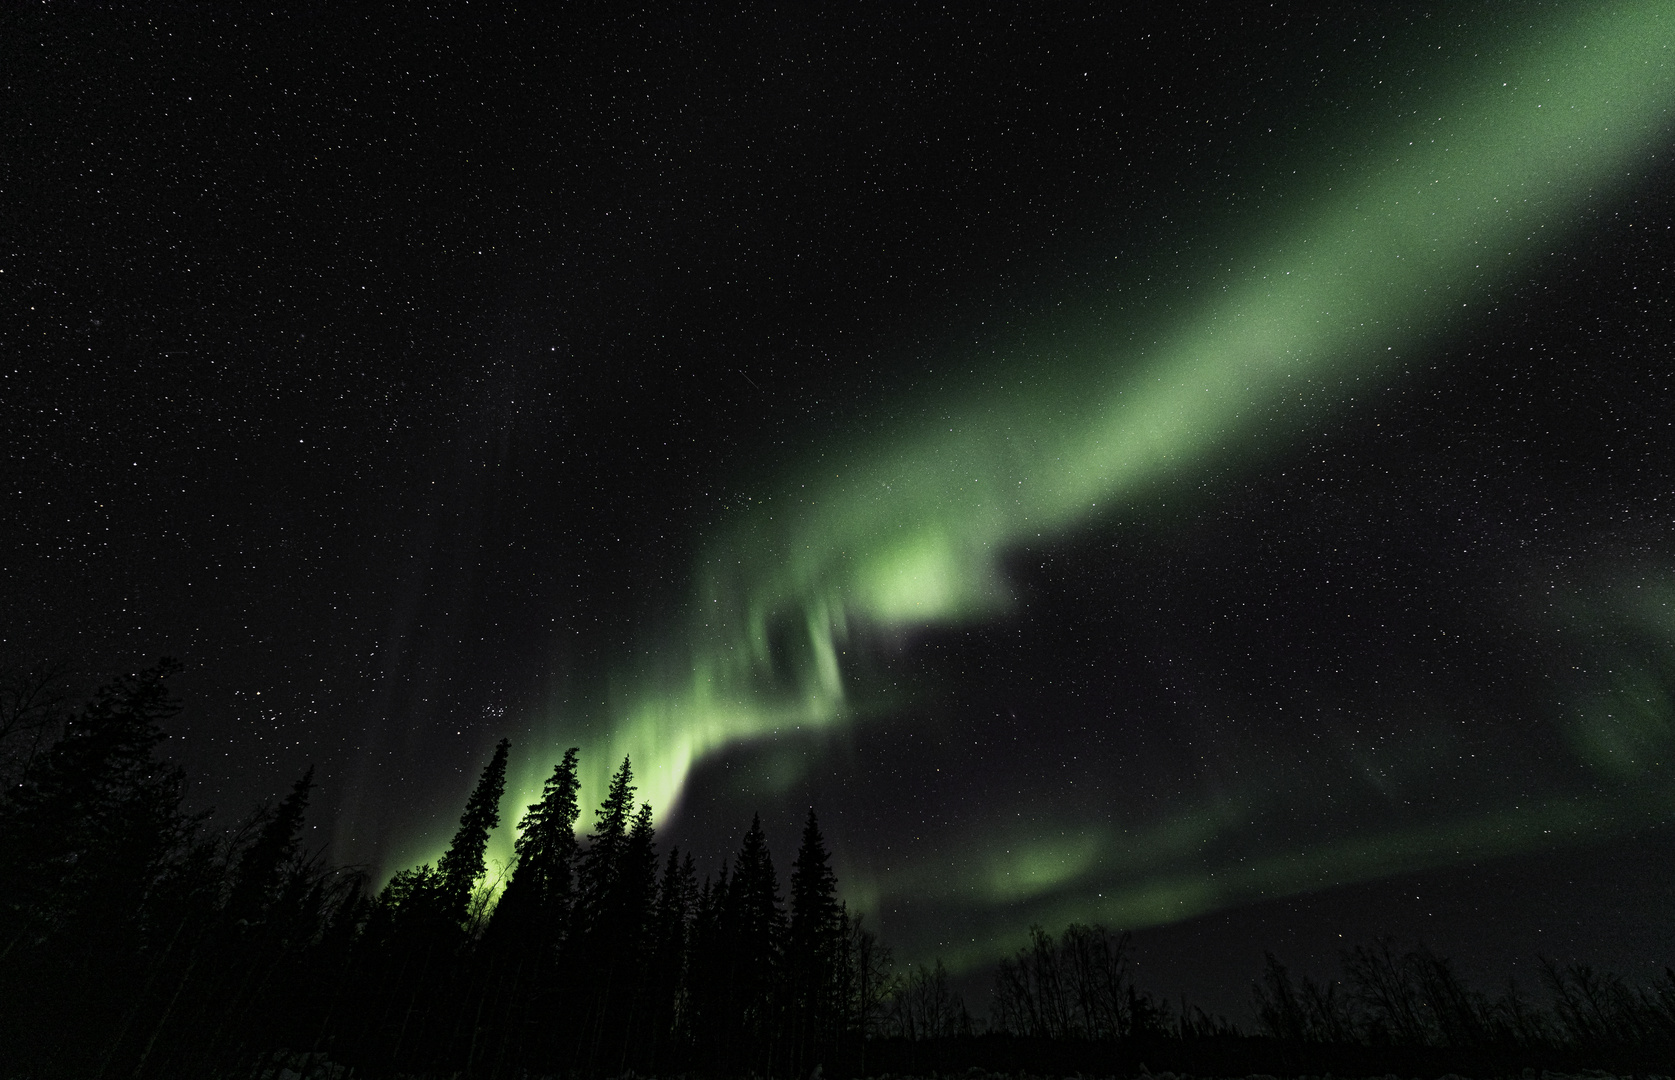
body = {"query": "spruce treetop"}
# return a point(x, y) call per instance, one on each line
point(464, 861)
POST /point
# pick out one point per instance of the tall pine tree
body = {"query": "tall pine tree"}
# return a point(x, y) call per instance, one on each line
point(94, 824)
point(626, 942)
point(263, 865)
point(598, 864)
point(536, 904)
point(464, 861)
point(100, 880)
point(523, 985)
point(811, 952)
point(677, 897)
point(754, 924)
point(710, 1023)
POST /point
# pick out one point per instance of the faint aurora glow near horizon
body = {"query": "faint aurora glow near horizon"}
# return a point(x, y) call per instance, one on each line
point(909, 530)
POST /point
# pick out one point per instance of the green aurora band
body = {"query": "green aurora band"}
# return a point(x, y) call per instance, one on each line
point(909, 529)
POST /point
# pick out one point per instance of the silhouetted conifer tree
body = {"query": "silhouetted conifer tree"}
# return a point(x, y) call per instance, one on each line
point(597, 865)
point(405, 948)
point(677, 899)
point(753, 924)
point(463, 863)
point(626, 941)
point(87, 836)
point(253, 970)
point(536, 904)
point(812, 952)
point(263, 867)
point(525, 935)
point(416, 968)
point(603, 933)
point(709, 997)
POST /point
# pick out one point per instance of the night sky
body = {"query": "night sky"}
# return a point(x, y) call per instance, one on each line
point(1205, 470)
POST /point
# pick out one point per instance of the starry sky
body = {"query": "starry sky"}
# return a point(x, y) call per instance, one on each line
point(1207, 471)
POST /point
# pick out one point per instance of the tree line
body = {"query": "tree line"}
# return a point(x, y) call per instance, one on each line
point(1391, 1009)
point(137, 942)
point(1412, 997)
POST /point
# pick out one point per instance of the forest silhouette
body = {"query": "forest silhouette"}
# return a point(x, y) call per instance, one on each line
point(135, 941)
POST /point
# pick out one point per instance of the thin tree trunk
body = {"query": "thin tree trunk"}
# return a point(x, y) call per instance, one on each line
point(151, 1043)
point(142, 996)
point(512, 1003)
point(407, 1018)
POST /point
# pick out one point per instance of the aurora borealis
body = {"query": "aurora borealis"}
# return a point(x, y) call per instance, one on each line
point(1101, 505)
point(911, 529)
point(911, 532)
